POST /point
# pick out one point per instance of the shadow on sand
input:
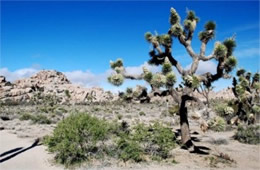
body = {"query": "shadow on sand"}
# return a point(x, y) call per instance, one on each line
point(202, 150)
point(17, 151)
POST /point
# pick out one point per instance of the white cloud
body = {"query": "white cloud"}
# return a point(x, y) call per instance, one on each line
point(249, 52)
point(83, 78)
point(204, 67)
point(17, 74)
point(136, 70)
point(90, 79)
point(87, 78)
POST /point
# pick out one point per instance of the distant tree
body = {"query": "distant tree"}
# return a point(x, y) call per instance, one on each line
point(204, 91)
point(162, 54)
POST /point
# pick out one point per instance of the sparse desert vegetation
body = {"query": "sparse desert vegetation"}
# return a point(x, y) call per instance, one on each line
point(177, 122)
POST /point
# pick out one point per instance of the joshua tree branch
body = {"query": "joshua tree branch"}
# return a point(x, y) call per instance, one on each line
point(206, 58)
point(132, 77)
point(187, 45)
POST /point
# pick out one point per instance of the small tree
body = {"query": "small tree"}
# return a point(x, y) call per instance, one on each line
point(246, 89)
point(205, 91)
point(162, 54)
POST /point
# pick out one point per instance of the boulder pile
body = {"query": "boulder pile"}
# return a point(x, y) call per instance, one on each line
point(50, 83)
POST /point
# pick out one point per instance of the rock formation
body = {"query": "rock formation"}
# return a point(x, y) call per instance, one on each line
point(50, 82)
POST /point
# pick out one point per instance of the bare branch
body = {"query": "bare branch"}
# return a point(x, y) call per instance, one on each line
point(206, 58)
point(187, 45)
point(132, 77)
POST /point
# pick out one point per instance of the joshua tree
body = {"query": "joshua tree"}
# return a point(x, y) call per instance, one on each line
point(246, 90)
point(204, 91)
point(162, 54)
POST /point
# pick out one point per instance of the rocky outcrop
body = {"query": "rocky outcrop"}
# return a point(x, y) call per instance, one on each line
point(50, 83)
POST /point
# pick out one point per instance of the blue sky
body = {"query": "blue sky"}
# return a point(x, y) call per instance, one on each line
point(80, 38)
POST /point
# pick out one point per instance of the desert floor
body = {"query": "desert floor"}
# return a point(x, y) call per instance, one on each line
point(20, 149)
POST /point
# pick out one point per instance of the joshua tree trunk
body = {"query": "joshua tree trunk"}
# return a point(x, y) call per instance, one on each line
point(185, 130)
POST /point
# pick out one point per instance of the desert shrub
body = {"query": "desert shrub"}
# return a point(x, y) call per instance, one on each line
point(156, 139)
point(39, 118)
point(217, 124)
point(143, 140)
point(219, 107)
point(248, 134)
point(129, 149)
point(77, 138)
point(174, 110)
point(26, 116)
point(67, 93)
point(142, 113)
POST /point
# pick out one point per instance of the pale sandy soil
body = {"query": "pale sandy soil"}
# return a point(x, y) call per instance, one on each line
point(17, 134)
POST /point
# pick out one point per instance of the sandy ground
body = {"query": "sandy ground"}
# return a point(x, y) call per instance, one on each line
point(24, 155)
point(17, 151)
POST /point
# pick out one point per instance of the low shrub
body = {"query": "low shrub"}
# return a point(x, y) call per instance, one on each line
point(248, 134)
point(39, 118)
point(129, 149)
point(174, 110)
point(82, 137)
point(142, 113)
point(156, 139)
point(77, 138)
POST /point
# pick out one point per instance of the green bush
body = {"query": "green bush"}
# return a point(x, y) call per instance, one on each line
point(249, 134)
point(129, 149)
point(156, 139)
point(26, 116)
point(142, 113)
point(82, 137)
point(76, 138)
point(39, 118)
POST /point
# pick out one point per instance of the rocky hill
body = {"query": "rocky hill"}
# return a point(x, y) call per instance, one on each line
point(50, 83)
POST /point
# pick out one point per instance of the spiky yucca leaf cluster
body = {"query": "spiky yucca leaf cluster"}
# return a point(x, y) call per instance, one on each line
point(192, 16)
point(117, 63)
point(228, 110)
point(164, 39)
point(230, 63)
point(220, 50)
point(158, 80)
point(191, 21)
point(209, 32)
point(217, 124)
point(148, 36)
point(256, 77)
point(147, 75)
point(176, 30)
point(191, 81)
point(170, 79)
point(174, 17)
point(166, 78)
point(241, 72)
point(116, 79)
point(210, 25)
point(167, 66)
point(230, 44)
point(129, 90)
point(190, 25)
